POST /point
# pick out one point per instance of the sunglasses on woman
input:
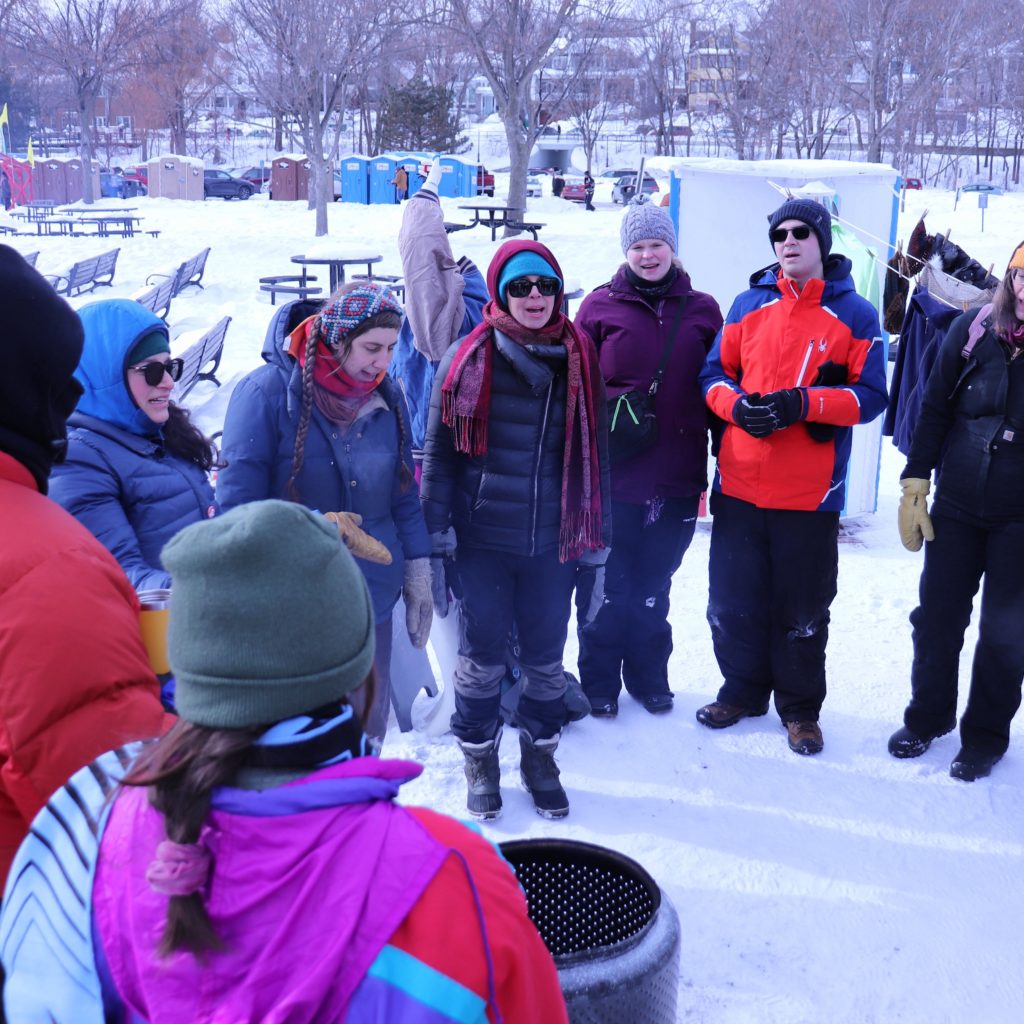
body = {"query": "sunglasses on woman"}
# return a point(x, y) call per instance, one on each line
point(800, 233)
point(153, 372)
point(521, 287)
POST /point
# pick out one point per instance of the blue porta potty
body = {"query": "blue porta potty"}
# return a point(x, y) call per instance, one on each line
point(355, 179)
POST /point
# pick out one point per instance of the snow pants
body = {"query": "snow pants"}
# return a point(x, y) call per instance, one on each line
point(499, 589)
point(629, 640)
point(773, 577)
point(954, 564)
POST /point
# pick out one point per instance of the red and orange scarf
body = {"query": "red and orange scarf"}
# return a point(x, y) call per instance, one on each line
point(466, 406)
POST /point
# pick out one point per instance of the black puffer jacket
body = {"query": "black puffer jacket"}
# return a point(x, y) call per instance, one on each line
point(508, 499)
point(972, 427)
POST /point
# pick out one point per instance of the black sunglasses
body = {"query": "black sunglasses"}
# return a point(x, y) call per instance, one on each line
point(800, 233)
point(521, 287)
point(154, 372)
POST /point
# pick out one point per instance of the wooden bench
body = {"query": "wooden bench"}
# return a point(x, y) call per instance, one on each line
point(205, 351)
point(450, 227)
point(289, 284)
point(85, 275)
point(519, 225)
point(184, 275)
point(158, 298)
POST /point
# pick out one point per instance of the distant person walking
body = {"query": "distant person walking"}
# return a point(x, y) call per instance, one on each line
point(401, 183)
point(588, 190)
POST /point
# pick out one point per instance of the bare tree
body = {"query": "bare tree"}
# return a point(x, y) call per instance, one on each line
point(511, 40)
point(302, 55)
point(89, 42)
point(661, 40)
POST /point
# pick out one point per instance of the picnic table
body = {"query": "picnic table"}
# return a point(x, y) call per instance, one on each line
point(123, 225)
point(495, 216)
point(336, 264)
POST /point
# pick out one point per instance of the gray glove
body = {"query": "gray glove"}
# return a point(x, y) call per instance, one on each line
point(595, 557)
point(418, 605)
point(444, 545)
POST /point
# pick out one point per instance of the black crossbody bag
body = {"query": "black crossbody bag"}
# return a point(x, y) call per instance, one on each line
point(632, 425)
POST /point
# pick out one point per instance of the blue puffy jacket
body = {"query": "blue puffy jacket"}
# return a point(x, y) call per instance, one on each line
point(354, 470)
point(119, 480)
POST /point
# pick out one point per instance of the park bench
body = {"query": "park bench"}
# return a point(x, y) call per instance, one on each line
point(520, 225)
point(205, 351)
point(393, 281)
point(186, 274)
point(85, 275)
point(158, 298)
point(289, 284)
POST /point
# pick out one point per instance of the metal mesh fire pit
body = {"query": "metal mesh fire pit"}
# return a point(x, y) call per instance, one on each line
point(613, 933)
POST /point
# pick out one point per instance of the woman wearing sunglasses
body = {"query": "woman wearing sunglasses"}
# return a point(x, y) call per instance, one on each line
point(515, 461)
point(137, 469)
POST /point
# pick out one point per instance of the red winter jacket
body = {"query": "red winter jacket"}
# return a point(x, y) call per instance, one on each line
point(74, 677)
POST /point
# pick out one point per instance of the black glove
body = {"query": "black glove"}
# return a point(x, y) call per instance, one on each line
point(756, 419)
point(789, 406)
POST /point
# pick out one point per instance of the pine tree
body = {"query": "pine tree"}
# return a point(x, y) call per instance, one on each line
point(419, 116)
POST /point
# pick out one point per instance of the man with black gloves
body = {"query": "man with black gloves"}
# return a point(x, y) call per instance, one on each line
point(797, 363)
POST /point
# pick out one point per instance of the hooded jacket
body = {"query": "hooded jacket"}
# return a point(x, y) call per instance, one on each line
point(777, 336)
point(509, 498)
point(386, 882)
point(119, 480)
point(354, 470)
point(630, 332)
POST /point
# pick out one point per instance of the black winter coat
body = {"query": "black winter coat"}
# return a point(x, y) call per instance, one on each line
point(509, 498)
point(972, 427)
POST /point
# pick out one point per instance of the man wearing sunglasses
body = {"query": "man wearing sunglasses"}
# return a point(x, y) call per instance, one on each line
point(798, 362)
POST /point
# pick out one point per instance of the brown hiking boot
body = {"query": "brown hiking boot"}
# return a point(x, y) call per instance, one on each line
point(805, 737)
point(717, 715)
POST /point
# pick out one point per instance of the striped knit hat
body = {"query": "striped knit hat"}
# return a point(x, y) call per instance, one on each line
point(341, 316)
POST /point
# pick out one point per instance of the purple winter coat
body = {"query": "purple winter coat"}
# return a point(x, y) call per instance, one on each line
point(630, 334)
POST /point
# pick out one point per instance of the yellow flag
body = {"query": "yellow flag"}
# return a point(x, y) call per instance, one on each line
point(29, 155)
point(3, 116)
point(3, 121)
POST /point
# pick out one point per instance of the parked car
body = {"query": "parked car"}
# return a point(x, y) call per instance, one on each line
point(982, 186)
point(574, 190)
point(484, 181)
point(617, 172)
point(222, 185)
point(534, 186)
point(116, 186)
point(136, 172)
point(912, 183)
point(256, 176)
point(624, 187)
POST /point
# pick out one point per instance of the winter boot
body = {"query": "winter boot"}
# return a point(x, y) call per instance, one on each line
point(483, 778)
point(540, 775)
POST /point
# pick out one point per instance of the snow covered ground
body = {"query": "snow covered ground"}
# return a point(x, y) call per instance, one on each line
point(847, 887)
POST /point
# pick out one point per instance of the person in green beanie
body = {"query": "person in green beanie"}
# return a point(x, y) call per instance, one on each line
point(137, 469)
point(254, 864)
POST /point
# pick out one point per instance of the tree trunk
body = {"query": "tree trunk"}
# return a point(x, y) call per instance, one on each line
point(85, 146)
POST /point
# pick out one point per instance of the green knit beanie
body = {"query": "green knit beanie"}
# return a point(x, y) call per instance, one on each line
point(152, 344)
point(270, 616)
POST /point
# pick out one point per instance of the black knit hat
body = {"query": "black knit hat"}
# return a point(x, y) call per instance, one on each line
point(40, 345)
point(812, 213)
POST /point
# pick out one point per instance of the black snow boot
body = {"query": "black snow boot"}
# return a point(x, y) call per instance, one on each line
point(540, 775)
point(483, 778)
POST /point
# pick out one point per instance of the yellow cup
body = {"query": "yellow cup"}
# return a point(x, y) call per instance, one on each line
point(153, 622)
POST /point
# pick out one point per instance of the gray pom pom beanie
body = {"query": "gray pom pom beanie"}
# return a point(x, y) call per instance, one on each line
point(270, 616)
point(812, 213)
point(642, 220)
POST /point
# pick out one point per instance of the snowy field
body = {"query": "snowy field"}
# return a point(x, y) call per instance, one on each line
point(847, 887)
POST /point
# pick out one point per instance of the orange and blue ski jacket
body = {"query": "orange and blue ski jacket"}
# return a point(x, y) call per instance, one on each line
point(777, 336)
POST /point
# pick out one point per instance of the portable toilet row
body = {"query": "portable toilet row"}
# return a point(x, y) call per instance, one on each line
point(372, 179)
point(175, 177)
point(60, 179)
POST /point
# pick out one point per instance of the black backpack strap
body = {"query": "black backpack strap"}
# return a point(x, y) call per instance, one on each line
point(669, 345)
